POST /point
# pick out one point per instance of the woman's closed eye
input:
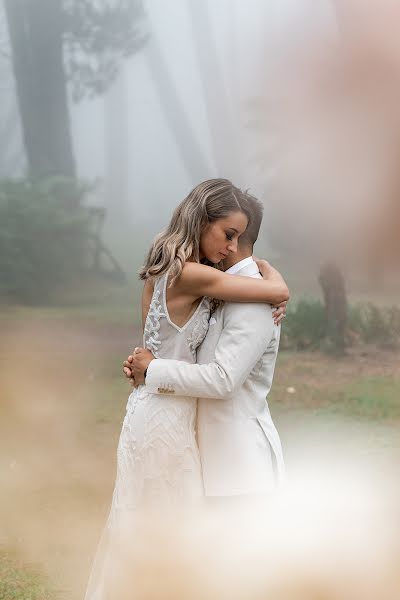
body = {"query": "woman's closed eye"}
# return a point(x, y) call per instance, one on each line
point(229, 236)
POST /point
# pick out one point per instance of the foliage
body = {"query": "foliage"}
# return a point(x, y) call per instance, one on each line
point(305, 326)
point(97, 35)
point(43, 236)
point(19, 582)
point(375, 325)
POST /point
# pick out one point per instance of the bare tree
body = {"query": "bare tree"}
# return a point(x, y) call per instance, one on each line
point(176, 114)
point(56, 41)
point(217, 101)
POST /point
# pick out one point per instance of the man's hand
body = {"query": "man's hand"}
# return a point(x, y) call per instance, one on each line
point(140, 361)
point(279, 312)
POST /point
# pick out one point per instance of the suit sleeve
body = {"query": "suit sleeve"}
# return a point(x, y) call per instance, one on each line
point(246, 333)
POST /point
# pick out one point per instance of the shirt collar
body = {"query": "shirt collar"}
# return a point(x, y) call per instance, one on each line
point(239, 265)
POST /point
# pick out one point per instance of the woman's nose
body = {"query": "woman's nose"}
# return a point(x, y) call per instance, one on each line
point(232, 246)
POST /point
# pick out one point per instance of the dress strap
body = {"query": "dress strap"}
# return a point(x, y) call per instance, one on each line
point(160, 286)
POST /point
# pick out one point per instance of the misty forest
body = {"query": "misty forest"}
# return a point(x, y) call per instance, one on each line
point(111, 111)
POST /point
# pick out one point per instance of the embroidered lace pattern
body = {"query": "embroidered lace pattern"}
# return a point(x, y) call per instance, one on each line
point(151, 332)
point(200, 327)
point(152, 460)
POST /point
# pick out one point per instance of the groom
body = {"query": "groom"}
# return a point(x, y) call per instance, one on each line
point(240, 449)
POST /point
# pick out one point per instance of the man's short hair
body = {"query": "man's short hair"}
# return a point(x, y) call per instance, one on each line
point(256, 210)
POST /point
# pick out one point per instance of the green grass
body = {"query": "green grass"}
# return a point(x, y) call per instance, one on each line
point(22, 582)
point(374, 398)
point(370, 397)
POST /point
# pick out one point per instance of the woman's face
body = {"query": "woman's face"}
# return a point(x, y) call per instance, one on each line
point(220, 238)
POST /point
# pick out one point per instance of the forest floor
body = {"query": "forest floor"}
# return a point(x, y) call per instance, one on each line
point(63, 399)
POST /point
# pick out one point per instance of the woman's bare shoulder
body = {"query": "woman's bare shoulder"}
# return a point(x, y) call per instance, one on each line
point(148, 289)
point(148, 286)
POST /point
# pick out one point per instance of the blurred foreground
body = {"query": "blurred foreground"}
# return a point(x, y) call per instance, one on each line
point(330, 538)
point(332, 534)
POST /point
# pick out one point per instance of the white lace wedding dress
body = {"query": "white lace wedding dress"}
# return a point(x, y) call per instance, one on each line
point(158, 463)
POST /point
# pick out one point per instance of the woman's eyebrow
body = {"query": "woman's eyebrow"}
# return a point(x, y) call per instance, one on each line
point(233, 229)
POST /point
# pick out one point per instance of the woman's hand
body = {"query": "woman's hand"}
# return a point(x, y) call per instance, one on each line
point(279, 312)
point(268, 272)
point(265, 268)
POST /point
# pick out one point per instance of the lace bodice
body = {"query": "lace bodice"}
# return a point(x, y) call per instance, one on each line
point(165, 339)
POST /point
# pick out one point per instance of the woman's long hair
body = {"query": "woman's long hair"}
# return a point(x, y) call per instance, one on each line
point(180, 241)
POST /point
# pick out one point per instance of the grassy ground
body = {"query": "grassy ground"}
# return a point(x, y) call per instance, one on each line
point(63, 399)
point(18, 580)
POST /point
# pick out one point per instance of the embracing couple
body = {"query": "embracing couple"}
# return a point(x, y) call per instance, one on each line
point(197, 423)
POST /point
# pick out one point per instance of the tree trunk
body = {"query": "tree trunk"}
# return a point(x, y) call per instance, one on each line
point(216, 99)
point(117, 148)
point(36, 30)
point(195, 163)
point(334, 292)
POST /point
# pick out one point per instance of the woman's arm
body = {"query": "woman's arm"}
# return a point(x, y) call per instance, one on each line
point(200, 280)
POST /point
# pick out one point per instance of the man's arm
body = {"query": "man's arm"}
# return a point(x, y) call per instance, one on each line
point(247, 331)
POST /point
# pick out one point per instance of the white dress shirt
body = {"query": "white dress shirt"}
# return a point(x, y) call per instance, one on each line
point(239, 265)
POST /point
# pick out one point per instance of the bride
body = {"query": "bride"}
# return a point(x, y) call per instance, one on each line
point(158, 466)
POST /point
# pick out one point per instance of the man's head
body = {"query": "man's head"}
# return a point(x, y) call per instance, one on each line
point(249, 237)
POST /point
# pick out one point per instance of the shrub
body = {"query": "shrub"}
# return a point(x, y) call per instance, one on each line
point(372, 324)
point(305, 326)
point(43, 236)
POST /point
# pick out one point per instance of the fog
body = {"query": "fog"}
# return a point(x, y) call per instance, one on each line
point(179, 112)
point(176, 115)
point(294, 100)
point(180, 109)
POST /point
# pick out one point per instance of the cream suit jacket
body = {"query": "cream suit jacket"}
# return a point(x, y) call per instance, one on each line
point(232, 378)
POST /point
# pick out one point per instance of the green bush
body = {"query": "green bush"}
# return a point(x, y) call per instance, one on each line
point(305, 325)
point(43, 237)
point(375, 325)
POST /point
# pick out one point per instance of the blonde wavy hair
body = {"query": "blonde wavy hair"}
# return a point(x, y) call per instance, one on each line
point(209, 201)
